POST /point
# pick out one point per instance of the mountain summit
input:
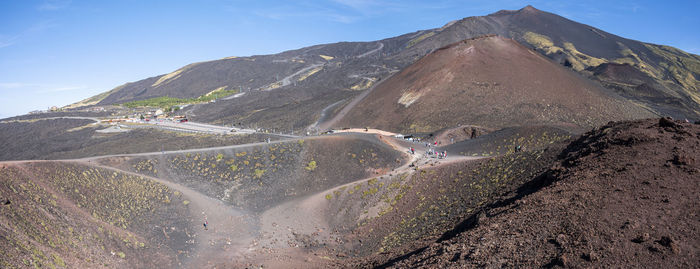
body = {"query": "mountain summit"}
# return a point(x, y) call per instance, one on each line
point(489, 81)
point(300, 89)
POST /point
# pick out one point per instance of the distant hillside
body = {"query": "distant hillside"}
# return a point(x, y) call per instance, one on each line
point(492, 82)
point(294, 89)
point(672, 86)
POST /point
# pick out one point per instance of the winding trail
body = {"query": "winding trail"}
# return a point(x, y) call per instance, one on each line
point(272, 238)
point(324, 114)
point(283, 225)
point(227, 235)
point(381, 46)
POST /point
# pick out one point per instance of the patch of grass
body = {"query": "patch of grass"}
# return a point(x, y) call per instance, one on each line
point(168, 102)
point(541, 42)
point(58, 261)
point(311, 166)
point(419, 39)
point(259, 173)
point(310, 73)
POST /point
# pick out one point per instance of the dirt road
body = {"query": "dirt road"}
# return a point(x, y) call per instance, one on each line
point(271, 238)
point(229, 231)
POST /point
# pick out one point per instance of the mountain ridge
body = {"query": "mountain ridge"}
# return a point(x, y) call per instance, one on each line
point(342, 70)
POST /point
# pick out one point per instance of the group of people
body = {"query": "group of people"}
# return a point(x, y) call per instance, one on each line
point(435, 154)
point(430, 153)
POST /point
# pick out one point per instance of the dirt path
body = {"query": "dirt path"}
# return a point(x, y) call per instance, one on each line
point(349, 106)
point(368, 131)
point(303, 221)
point(381, 46)
point(324, 114)
point(229, 231)
point(272, 238)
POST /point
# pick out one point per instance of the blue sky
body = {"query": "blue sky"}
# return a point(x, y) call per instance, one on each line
point(56, 52)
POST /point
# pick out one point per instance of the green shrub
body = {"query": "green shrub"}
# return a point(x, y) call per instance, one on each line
point(311, 166)
point(259, 173)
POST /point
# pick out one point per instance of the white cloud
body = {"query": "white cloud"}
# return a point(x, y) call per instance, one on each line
point(50, 5)
point(16, 85)
point(9, 40)
point(6, 41)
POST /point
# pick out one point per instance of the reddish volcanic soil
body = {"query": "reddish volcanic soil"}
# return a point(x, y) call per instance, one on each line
point(623, 195)
point(491, 82)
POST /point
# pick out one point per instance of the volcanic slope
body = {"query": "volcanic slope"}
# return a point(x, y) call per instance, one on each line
point(623, 195)
point(671, 75)
point(67, 214)
point(67, 138)
point(292, 89)
point(87, 213)
point(492, 82)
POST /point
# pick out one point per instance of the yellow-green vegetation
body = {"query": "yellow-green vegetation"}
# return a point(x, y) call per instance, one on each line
point(631, 58)
point(326, 57)
point(65, 213)
point(458, 194)
point(311, 166)
point(259, 173)
point(273, 85)
point(533, 141)
point(146, 167)
point(541, 42)
point(420, 128)
point(580, 61)
point(168, 102)
point(329, 196)
point(419, 39)
point(136, 196)
point(310, 73)
point(681, 66)
point(244, 167)
point(366, 84)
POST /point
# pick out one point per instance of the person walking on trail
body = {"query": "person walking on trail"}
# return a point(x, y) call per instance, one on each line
point(206, 222)
point(413, 151)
